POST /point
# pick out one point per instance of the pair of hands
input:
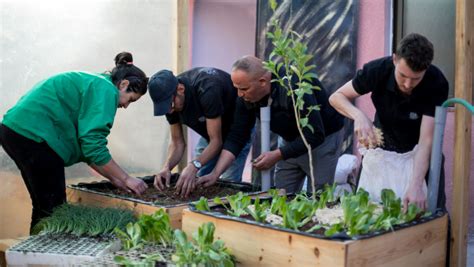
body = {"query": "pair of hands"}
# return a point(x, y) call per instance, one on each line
point(187, 181)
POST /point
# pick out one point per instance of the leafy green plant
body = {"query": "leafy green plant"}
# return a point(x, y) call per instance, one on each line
point(298, 212)
point(259, 211)
point(202, 250)
point(155, 228)
point(83, 220)
point(132, 238)
point(147, 261)
point(290, 56)
point(238, 204)
point(326, 196)
point(202, 204)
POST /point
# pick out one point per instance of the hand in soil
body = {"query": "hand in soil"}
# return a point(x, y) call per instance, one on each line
point(163, 175)
point(187, 181)
point(137, 186)
point(207, 180)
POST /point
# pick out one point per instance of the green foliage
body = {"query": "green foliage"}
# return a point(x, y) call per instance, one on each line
point(202, 250)
point(360, 216)
point(298, 212)
point(326, 196)
point(155, 229)
point(147, 261)
point(238, 204)
point(290, 63)
point(132, 238)
point(82, 220)
point(260, 211)
point(202, 204)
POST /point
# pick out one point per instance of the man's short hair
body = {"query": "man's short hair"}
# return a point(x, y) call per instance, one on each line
point(417, 51)
point(249, 64)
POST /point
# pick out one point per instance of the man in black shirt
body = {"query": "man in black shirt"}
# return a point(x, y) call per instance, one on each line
point(204, 100)
point(405, 88)
point(256, 90)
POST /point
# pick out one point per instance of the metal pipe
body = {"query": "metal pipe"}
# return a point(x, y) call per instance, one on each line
point(436, 154)
point(265, 143)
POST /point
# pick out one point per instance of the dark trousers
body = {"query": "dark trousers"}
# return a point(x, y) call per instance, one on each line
point(42, 171)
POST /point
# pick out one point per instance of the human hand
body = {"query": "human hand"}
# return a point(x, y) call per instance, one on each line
point(164, 174)
point(137, 186)
point(187, 181)
point(207, 180)
point(415, 195)
point(364, 131)
point(266, 160)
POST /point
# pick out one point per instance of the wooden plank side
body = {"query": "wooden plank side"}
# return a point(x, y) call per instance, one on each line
point(462, 148)
point(87, 198)
point(259, 246)
point(420, 245)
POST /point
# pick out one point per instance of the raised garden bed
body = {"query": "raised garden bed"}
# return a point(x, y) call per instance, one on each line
point(421, 242)
point(105, 194)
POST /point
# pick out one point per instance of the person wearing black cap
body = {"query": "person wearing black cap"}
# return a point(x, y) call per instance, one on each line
point(204, 100)
point(405, 89)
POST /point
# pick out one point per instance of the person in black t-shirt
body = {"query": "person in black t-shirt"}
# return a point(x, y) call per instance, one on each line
point(256, 90)
point(405, 88)
point(204, 100)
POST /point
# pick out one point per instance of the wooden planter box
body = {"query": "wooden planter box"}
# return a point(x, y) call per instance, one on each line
point(422, 243)
point(86, 193)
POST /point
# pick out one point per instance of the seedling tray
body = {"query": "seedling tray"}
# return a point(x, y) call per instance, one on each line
point(59, 250)
point(98, 194)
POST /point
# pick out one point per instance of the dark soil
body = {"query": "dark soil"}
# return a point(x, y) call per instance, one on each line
point(169, 196)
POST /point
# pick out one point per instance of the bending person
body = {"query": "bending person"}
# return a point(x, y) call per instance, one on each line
point(405, 89)
point(66, 119)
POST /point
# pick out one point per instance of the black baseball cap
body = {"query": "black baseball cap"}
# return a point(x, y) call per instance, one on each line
point(161, 87)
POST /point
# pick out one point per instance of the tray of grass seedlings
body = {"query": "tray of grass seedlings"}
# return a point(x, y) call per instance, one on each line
point(72, 234)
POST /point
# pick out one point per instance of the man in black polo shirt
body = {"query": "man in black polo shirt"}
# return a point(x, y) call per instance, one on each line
point(405, 88)
point(255, 90)
point(204, 100)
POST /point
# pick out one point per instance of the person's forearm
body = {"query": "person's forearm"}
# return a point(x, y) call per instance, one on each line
point(211, 151)
point(225, 160)
point(344, 106)
point(421, 163)
point(112, 171)
point(175, 153)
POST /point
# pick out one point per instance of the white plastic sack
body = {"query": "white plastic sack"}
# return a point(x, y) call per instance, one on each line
point(346, 164)
point(383, 169)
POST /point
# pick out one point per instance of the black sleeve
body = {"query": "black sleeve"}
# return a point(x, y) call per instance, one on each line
point(241, 128)
point(440, 91)
point(173, 118)
point(296, 147)
point(210, 98)
point(366, 78)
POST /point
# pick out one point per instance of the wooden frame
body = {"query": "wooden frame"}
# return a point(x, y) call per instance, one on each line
point(422, 244)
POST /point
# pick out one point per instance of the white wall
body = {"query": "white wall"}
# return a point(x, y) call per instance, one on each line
point(223, 31)
point(41, 38)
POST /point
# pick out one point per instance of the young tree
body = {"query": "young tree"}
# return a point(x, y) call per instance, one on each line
point(290, 53)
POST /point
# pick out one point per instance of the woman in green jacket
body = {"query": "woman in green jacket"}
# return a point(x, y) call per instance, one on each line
point(66, 119)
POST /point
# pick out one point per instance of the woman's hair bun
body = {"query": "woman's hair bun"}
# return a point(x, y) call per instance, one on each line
point(123, 58)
